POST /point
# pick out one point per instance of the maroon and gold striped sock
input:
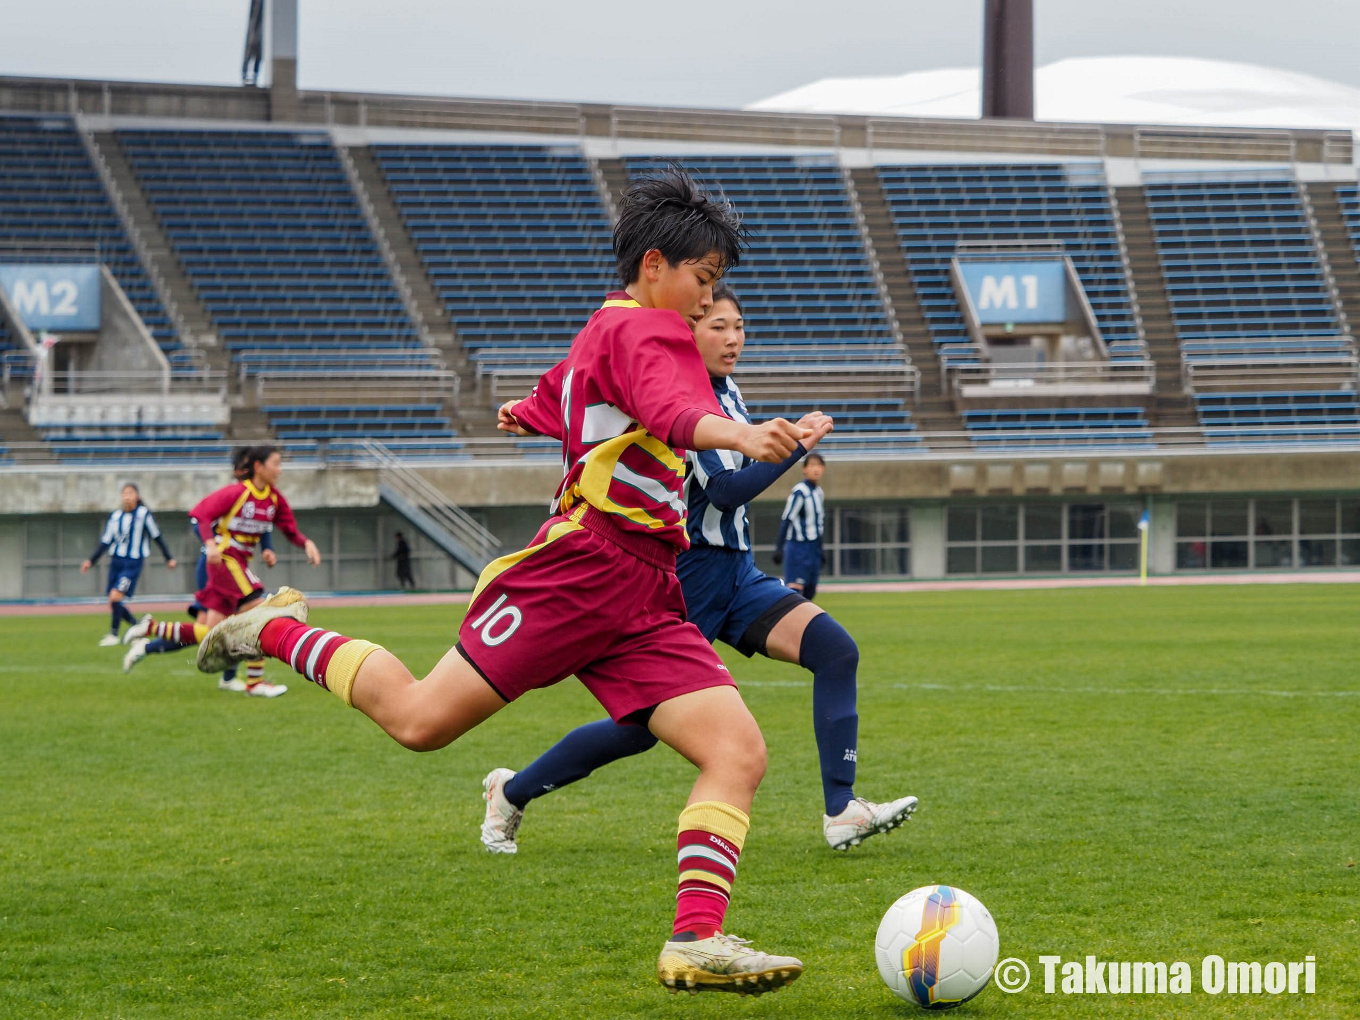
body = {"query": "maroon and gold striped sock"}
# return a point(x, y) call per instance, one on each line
point(324, 657)
point(711, 837)
point(184, 633)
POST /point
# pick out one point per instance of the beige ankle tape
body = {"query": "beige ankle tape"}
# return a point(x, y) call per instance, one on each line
point(344, 667)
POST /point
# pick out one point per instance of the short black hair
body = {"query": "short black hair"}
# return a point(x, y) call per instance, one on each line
point(724, 292)
point(668, 210)
point(815, 456)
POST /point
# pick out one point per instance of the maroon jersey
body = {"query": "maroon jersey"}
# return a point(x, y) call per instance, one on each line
point(235, 516)
point(624, 404)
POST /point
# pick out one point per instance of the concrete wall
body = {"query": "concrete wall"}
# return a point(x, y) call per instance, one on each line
point(40, 556)
point(124, 344)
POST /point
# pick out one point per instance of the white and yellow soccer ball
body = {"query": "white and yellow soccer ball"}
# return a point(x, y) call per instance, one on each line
point(937, 946)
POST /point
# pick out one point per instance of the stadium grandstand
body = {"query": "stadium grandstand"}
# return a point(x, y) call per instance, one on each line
point(1033, 335)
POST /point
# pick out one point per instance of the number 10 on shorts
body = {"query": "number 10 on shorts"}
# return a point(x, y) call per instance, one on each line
point(496, 628)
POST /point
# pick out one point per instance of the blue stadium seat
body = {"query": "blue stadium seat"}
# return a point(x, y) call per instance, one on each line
point(51, 195)
point(515, 239)
point(935, 207)
point(270, 233)
point(998, 428)
point(807, 279)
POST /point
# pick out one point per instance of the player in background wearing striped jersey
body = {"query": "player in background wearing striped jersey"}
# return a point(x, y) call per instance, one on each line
point(231, 522)
point(127, 536)
point(728, 598)
point(799, 545)
point(595, 594)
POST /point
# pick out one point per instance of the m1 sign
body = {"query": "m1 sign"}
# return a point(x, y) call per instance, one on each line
point(1016, 292)
point(53, 296)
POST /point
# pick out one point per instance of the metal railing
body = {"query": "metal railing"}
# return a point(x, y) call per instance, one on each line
point(411, 486)
point(885, 445)
point(86, 382)
point(1334, 370)
point(380, 386)
point(992, 378)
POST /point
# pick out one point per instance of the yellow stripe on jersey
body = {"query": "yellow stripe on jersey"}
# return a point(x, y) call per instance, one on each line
point(601, 465)
point(224, 522)
point(239, 574)
point(621, 303)
point(495, 568)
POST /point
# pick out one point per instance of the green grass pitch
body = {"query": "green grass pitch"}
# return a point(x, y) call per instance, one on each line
point(1140, 774)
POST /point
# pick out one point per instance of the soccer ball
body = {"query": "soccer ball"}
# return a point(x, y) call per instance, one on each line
point(937, 946)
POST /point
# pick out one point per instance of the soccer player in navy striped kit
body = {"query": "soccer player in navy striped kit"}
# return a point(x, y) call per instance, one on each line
point(799, 545)
point(727, 597)
point(127, 536)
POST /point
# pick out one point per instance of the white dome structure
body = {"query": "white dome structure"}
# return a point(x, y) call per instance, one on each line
point(1101, 90)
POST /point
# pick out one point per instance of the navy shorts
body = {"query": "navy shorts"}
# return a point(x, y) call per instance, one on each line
point(123, 576)
point(725, 594)
point(802, 562)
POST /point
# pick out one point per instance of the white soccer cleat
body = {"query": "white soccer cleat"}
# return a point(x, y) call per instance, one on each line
point(109, 640)
point(502, 818)
point(862, 819)
point(234, 684)
point(138, 630)
point(724, 963)
point(264, 689)
point(135, 654)
point(237, 638)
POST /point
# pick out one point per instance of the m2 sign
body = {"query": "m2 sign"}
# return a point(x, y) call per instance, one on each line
point(59, 297)
point(1004, 292)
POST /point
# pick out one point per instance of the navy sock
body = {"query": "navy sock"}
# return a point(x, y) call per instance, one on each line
point(576, 756)
point(161, 644)
point(117, 616)
point(124, 612)
point(833, 657)
point(229, 674)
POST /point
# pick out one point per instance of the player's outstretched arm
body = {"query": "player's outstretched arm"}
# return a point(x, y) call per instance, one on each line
point(729, 488)
point(770, 441)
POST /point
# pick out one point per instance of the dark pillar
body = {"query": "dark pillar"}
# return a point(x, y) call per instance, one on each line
point(283, 92)
point(1008, 59)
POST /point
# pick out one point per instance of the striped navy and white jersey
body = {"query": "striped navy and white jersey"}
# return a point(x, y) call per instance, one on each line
point(806, 513)
point(707, 524)
point(128, 534)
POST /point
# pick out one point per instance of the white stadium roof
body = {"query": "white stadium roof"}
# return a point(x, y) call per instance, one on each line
point(1096, 90)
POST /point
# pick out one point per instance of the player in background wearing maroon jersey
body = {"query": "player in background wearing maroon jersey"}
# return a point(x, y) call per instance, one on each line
point(231, 522)
point(596, 594)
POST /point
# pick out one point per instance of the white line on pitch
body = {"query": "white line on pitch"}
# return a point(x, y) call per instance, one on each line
point(1019, 689)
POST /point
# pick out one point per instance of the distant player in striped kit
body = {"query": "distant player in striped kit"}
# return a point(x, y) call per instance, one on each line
point(728, 598)
point(595, 595)
point(799, 545)
point(231, 522)
point(127, 536)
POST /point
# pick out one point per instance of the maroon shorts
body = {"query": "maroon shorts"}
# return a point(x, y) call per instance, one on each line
point(578, 601)
point(229, 585)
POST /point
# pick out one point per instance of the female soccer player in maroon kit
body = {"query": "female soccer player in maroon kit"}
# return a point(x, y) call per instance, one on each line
point(231, 522)
point(596, 594)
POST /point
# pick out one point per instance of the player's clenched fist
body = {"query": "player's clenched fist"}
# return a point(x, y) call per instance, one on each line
point(819, 424)
point(505, 420)
point(773, 440)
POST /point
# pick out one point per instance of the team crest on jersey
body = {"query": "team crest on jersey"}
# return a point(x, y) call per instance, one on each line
point(248, 510)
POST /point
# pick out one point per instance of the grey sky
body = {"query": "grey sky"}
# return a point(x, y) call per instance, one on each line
point(592, 50)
